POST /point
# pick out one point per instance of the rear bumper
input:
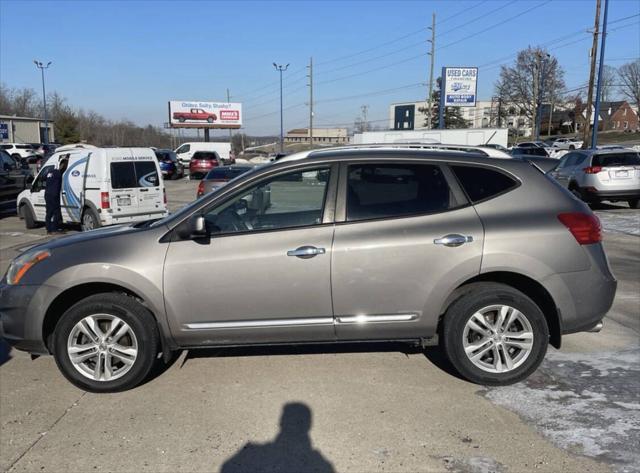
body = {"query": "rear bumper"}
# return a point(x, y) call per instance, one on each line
point(583, 298)
point(613, 194)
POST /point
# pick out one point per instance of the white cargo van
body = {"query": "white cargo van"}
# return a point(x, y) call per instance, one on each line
point(185, 151)
point(101, 186)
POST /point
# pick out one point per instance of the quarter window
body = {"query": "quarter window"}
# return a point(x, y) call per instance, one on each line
point(481, 183)
point(396, 190)
point(295, 199)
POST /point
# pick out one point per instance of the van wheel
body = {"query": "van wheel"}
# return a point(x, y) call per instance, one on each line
point(495, 335)
point(27, 215)
point(572, 147)
point(106, 343)
point(90, 220)
point(634, 203)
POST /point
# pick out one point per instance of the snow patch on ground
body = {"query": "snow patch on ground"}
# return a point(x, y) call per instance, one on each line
point(621, 222)
point(586, 403)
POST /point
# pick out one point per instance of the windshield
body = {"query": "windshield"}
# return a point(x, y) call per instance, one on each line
point(187, 209)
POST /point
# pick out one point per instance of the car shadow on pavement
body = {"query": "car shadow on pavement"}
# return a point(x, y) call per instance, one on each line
point(290, 451)
point(5, 352)
point(302, 349)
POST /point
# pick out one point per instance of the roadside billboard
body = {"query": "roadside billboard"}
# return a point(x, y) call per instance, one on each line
point(196, 114)
point(460, 85)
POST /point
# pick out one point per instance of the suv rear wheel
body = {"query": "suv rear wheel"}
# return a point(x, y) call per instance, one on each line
point(494, 334)
point(106, 343)
point(634, 203)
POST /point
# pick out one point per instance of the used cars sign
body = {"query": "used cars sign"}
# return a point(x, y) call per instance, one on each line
point(196, 114)
point(460, 86)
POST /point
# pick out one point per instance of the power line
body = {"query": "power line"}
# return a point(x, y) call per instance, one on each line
point(495, 25)
point(502, 7)
point(444, 20)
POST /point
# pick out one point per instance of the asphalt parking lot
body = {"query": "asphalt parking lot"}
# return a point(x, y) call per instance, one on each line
point(351, 408)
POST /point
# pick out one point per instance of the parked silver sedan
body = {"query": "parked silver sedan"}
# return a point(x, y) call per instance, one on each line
point(601, 174)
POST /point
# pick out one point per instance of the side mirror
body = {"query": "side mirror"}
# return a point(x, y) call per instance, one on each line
point(194, 227)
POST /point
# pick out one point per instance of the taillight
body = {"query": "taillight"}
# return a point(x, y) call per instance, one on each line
point(200, 188)
point(164, 195)
point(104, 200)
point(585, 228)
point(592, 169)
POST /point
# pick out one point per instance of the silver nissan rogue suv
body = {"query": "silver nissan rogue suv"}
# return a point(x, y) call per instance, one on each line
point(488, 257)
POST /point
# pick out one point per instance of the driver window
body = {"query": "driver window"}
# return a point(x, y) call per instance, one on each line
point(295, 199)
point(38, 183)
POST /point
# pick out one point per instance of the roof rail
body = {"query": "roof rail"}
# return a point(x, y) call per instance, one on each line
point(482, 150)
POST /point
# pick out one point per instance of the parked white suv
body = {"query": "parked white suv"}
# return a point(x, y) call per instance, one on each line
point(567, 143)
point(19, 150)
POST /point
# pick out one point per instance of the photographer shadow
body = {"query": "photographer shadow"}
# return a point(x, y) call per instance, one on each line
point(290, 451)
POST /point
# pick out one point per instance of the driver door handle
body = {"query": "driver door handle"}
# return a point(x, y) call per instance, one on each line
point(453, 240)
point(306, 252)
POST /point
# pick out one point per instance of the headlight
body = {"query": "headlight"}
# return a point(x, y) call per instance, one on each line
point(23, 263)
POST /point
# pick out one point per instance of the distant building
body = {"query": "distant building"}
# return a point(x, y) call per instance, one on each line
point(412, 116)
point(23, 130)
point(619, 116)
point(320, 136)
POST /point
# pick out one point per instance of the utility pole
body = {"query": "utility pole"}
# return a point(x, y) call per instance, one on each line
point(432, 54)
point(365, 125)
point(542, 72)
point(310, 76)
point(592, 74)
point(281, 69)
point(594, 135)
point(42, 67)
point(228, 101)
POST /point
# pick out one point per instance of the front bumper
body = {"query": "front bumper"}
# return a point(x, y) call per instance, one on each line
point(22, 311)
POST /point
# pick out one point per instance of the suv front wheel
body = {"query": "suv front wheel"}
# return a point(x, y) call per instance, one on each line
point(106, 343)
point(494, 334)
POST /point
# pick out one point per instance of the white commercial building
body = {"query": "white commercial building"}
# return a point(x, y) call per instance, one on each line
point(413, 116)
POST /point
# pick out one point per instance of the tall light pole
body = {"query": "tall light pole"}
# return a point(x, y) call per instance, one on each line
point(42, 67)
point(542, 71)
point(281, 69)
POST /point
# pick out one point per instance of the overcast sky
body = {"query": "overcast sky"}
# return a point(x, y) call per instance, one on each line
point(127, 59)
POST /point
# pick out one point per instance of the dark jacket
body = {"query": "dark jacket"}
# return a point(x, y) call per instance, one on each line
point(53, 183)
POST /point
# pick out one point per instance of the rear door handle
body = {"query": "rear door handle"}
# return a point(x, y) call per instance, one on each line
point(453, 240)
point(306, 252)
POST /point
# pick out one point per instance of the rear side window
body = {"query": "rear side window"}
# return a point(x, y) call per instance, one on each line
point(481, 183)
point(396, 190)
point(129, 174)
point(621, 159)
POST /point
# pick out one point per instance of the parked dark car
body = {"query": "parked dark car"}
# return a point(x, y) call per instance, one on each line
point(202, 162)
point(532, 151)
point(13, 180)
point(219, 176)
point(170, 165)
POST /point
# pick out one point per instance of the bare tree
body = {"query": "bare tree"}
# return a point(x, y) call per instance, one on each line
point(518, 83)
point(630, 79)
point(609, 78)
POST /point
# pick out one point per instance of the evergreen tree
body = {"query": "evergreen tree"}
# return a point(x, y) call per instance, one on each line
point(452, 115)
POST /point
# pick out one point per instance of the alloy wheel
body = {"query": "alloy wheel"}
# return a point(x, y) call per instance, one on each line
point(498, 338)
point(102, 347)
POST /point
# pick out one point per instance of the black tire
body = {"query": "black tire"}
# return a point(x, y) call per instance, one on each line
point(634, 203)
point(181, 119)
point(210, 120)
point(27, 215)
point(571, 147)
point(139, 319)
point(475, 297)
point(89, 220)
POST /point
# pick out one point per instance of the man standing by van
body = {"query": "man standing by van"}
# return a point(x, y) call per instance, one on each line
point(52, 188)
